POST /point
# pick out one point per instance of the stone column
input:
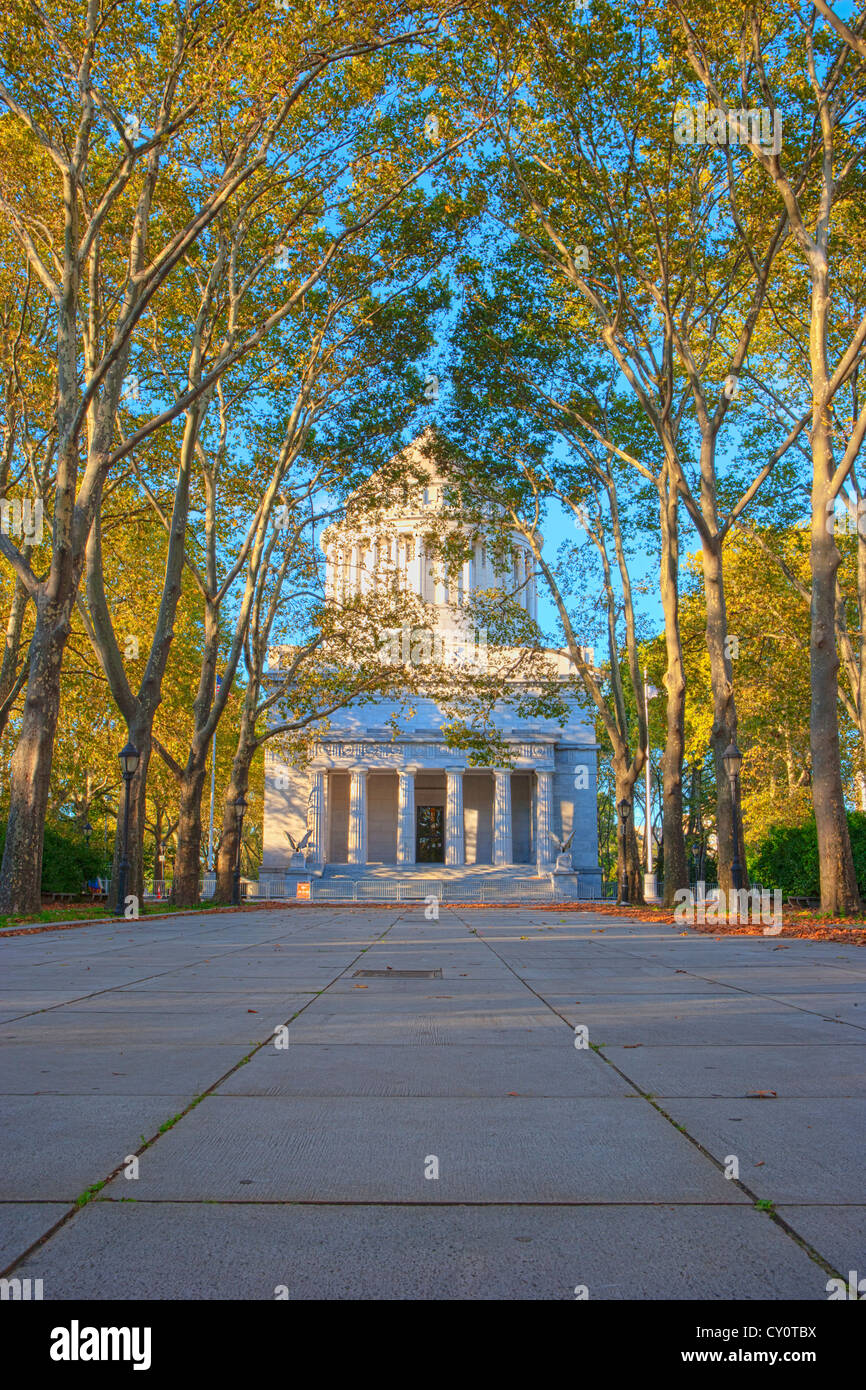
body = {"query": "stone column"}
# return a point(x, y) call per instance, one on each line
point(406, 815)
point(455, 852)
point(543, 817)
point(503, 849)
point(319, 815)
point(355, 572)
point(358, 815)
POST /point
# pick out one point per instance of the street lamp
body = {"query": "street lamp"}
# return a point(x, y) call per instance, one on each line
point(240, 807)
point(88, 831)
point(129, 759)
point(624, 807)
point(733, 760)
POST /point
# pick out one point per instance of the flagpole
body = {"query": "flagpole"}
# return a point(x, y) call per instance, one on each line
point(648, 812)
point(212, 794)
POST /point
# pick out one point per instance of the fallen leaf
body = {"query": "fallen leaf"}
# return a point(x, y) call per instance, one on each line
point(632, 1044)
point(758, 1165)
point(252, 1011)
point(760, 1095)
point(360, 986)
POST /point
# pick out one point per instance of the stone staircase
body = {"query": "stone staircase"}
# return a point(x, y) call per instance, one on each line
point(469, 874)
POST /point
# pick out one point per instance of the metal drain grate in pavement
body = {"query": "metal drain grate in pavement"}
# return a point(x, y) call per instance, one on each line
point(398, 974)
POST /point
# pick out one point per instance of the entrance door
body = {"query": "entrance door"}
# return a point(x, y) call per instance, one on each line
point(430, 834)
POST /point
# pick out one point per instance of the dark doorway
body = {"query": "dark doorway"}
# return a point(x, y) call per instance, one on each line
point(430, 834)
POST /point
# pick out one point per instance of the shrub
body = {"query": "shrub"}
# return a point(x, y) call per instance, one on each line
point(67, 863)
point(788, 857)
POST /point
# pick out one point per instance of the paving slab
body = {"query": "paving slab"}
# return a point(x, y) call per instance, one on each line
point(809, 1150)
point(249, 1252)
point(428, 1029)
point(56, 1146)
point(372, 1149)
point(425, 1071)
point(84, 1026)
point(23, 1223)
point(838, 1232)
point(821, 1070)
point(693, 1020)
point(113, 1069)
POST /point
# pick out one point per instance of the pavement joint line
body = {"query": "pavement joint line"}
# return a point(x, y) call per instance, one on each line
point(773, 1215)
point(759, 994)
point(77, 1205)
point(140, 980)
point(391, 1202)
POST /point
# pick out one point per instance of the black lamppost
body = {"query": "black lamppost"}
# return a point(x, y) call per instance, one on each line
point(240, 807)
point(696, 857)
point(88, 831)
point(624, 807)
point(733, 760)
point(128, 757)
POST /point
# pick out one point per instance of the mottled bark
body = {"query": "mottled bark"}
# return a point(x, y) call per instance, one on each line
point(839, 893)
point(30, 773)
point(724, 727)
point(675, 862)
point(239, 782)
point(187, 860)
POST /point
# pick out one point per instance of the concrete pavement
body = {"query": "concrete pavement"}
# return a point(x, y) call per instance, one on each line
point(302, 1130)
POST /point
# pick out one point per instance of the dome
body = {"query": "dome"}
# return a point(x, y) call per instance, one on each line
point(369, 548)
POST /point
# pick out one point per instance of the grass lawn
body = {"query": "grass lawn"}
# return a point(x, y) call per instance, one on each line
point(61, 915)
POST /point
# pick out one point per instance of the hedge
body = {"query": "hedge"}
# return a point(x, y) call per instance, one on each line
point(788, 857)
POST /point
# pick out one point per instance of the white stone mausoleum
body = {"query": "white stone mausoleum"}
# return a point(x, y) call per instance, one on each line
point(370, 798)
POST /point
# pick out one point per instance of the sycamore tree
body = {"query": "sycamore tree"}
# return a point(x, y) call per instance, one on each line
point(124, 137)
point(659, 260)
point(803, 66)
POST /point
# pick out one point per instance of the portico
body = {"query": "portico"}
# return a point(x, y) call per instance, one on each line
point(455, 816)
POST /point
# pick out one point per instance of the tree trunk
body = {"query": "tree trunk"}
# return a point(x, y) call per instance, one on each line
point(187, 860)
point(9, 676)
point(21, 872)
point(724, 729)
point(231, 827)
point(628, 863)
point(675, 864)
point(839, 894)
